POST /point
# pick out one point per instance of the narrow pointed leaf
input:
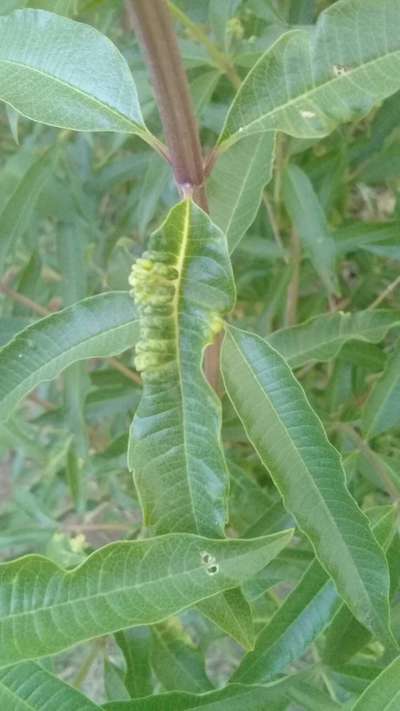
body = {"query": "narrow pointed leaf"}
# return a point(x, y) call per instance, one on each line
point(28, 687)
point(182, 285)
point(321, 338)
point(44, 609)
point(309, 220)
point(303, 615)
point(15, 215)
point(381, 411)
point(308, 472)
point(135, 645)
point(236, 185)
point(313, 79)
point(383, 693)
point(237, 697)
point(101, 325)
point(79, 78)
point(176, 661)
point(232, 613)
point(299, 620)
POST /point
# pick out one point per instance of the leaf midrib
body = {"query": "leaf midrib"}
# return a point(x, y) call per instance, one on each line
point(156, 581)
point(350, 72)
point(179, 296)
point(252, 374)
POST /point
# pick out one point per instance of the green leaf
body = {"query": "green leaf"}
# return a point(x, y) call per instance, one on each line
point(45, 609)
point(345, 636)
point(176, 661)
point(321, 338)
point(303, 615)
point(17, 211)
point(28, 687)
point(313, 79)
point(182, 285)
point(135, 645)
point(310, 222)
point(290, 440)
point(381, 411)
point(383, 693)
point(232, 613)
point(237, 697)
point(78, 77)
point(99, 326)
point(236, 185)
point(297, 622)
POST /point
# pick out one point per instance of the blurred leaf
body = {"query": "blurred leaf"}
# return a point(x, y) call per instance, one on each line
point(236, 697)
point(135, 645)
point(310, 222)
point(384, 692)
point(176, 661)
point(303, 615)
point(236, 185)
point(15, 216)
point(322, 338)
point(28, 687)
point(297, 622)
point(102, 325)
point(381, 411)
point(232, 613)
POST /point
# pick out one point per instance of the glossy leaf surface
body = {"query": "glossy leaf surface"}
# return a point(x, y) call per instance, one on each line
point(308, 472)
point(182, 285)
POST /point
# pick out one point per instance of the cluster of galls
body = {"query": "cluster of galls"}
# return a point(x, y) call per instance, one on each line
point(154, 280)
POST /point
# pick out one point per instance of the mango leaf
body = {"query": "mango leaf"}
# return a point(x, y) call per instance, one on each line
point(176, 661)
point(383, 693)
point(16, 213)
point(135, 645)
point(303, 615)
point(236, 185)
point(28, 687)
point(236, 697)
point(310, 222)
point(232, 613)
point(102, 325)
point(381, 411)
point(79, 78)
point(290, 440)
point(345, 636)
point(299, 620)
point(121, 585)
point(321, 338)
point(313, 79)
point(182, 285)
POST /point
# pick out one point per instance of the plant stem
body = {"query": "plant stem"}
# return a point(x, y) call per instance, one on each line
point(154, 28)
point(153, 25)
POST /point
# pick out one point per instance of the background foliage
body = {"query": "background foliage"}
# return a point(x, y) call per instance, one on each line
point(314, 242)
